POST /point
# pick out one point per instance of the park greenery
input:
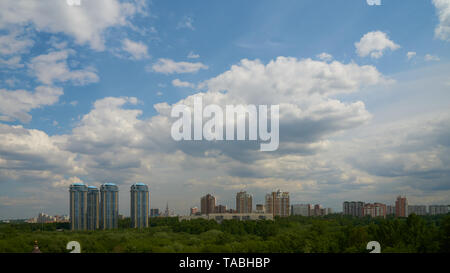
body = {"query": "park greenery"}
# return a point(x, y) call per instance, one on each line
point(295, 234)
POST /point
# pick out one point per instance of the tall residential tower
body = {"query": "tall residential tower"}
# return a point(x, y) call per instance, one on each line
point(139, 205)
point(78, 206)
point(109, 206)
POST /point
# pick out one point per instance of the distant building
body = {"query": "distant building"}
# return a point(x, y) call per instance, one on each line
point(375, 210)
point(219, 217)
point(260, 208)
point(208, 204)
point(109, 206)
point(139, 205)
point(401, 207)
point(277, 203)
point(244, 202)
point(353, 208)
point(417, 210)
point(45, 218)
point(390, 210)
point(194, 211)
point(93, 208)
point(301, 209)
point(220, 209)
point(154, 212)
point(78, 206)
point(317, 210)
point(438, 209)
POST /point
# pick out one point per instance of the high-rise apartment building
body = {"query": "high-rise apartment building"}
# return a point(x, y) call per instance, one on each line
point(154, 212)
point(220, 209)
point(207, 204)
point(401, 207)
point(301, 209)
point(438, 209)
point(139, 205)
point(244, 202)
point(78, 206)
point(93, 208)
point(260, 208)
point(375, 210)
point(390, 210)
point(277, 203)
point(417, 209)
point(194, 210)
point(109, 206)
point(353, 208)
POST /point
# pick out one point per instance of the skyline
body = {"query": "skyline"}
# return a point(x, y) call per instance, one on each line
point(364, 95)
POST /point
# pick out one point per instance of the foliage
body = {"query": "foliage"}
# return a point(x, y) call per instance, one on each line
point(294, 234)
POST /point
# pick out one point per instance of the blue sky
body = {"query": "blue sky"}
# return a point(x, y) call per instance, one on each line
point(207, 39)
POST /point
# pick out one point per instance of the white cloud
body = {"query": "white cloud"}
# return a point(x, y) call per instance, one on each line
point(86, 23)
point(13, 43)
point(168, 66)
point(179, 83)
point(410, 54)
point(430, 58)
point(12, 63)
point(374, 44)
point(137, 50)
point(186, 22)
point(16, 104)
point(442, 31)
point(52, 67)
point(325, 56)
point(373, 2)
point(159, 93)
point(192, 55)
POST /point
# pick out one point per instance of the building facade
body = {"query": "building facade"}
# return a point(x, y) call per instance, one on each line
point(401, 207)
point(417, 209)
point(277, 203)
point(78, 206)
point(375, 210)
point(260, 208)
point(93, 208)
point(207, 204)
point(154, 212)
point(109, 206)
point(438, 209)
point(301, 209)
point(220, 209)
point(139, 205)
point(244, 202)
point(353, 208)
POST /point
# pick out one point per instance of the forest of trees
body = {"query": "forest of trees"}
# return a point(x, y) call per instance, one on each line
point(295, 234)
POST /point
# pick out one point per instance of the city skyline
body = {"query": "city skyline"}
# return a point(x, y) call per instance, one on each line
point(87, 92)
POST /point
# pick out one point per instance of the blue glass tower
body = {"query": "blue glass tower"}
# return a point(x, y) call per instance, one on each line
point(139, 205)
point(109, 206)
point(93, 208)
point(78, 206)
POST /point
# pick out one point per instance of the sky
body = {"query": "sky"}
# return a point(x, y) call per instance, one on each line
point(86, 93)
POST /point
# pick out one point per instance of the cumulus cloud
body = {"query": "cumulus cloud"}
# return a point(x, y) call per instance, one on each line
point(325, 56)
point(14, 43)
point(429, 58)
point(192, 55)
point(442, 31)
point(410, 55)
point(137, 50)
point(85, 23)
point(52, 67)
point(186, 22)
point(179, 83)
point(15, 104)
point(168, 66)
point(12, 63)
point(374, 43)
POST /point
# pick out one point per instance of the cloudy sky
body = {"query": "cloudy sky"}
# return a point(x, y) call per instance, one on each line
point(86, 93)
